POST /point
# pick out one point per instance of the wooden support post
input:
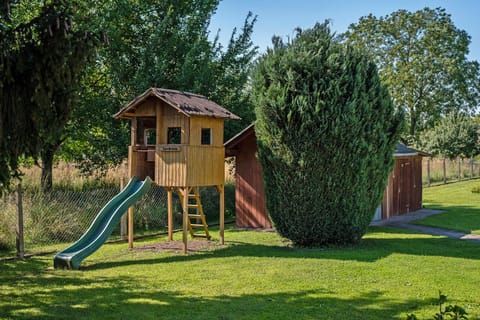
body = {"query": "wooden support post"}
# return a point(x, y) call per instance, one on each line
point(221, 192)
point(186, 191)
point(20, 238)
point(123, 220)
point(130, 227)
point(170, 213)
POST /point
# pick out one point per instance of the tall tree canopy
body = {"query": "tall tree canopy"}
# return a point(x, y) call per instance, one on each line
point(326, 131)
point(155, 43)
point(422, 57)
point(455, 135)
point(166, 44)
point(44, 48)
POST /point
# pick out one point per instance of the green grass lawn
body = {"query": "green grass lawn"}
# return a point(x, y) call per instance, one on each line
point(256, 275)
point(462, 207)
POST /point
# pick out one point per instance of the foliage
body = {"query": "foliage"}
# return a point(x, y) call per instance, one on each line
point(95, 141)
point(422, 57)
point(326, 133)
point(450, 312)
point(455, 135)
point(43, 54)
point(165, 44)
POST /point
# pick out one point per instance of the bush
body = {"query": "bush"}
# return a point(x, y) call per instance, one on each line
point(476, 189)
point(326, 130)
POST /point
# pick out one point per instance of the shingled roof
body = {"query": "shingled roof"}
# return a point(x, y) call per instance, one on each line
point(187, 103)
point(402, 150)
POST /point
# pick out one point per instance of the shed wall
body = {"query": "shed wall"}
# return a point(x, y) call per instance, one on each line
point(403, 193)
point(250, 206)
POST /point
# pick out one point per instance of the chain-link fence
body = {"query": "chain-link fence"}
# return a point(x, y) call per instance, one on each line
point(439, 170)
point(59, 217)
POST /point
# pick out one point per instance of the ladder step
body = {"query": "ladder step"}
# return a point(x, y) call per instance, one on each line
point(195, 216)
point(200, 236)
point(191, 195)
point(192, 206)
point(197, 225)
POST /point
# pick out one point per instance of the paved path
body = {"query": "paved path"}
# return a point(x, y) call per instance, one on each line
point(403, 222)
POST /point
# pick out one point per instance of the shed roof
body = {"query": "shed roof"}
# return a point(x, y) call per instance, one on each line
point(402, 150)
point(231, 144)
point(189, 104)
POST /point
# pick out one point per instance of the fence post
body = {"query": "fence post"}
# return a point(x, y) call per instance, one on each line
point(428, 171)
point(471, 168)
point(19, 232)
point(123, 220)
point(444, 171)
point(459, 169)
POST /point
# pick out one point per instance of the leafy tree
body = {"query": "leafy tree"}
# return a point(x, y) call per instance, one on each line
point(165, 44)
point(455, 135)
point(326, 133)
point(94, 140)
point(155, 44)
point(43, 54)
point(422, 57)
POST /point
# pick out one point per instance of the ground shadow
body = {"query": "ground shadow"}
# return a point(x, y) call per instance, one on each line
point(68, 297)
point(372, 248)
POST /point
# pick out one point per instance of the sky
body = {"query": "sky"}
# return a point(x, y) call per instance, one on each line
point(281, 17)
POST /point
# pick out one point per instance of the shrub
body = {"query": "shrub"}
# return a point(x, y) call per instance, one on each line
point(326, 131)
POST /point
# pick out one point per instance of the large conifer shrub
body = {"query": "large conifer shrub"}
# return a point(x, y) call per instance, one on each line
point(326, 131)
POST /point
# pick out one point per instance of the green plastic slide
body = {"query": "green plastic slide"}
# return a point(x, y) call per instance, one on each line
point(102, 226)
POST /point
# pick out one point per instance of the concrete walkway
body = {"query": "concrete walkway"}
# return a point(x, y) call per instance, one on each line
point(404, 221)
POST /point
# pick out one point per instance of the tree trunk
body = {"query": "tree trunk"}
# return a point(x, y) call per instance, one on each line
point(413, 123)
point(47, 166)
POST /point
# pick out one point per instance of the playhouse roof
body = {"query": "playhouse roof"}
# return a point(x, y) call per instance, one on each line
point(189, 104)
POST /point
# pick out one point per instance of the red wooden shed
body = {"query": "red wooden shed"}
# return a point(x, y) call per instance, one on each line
point(403, 193)
point(250, 210)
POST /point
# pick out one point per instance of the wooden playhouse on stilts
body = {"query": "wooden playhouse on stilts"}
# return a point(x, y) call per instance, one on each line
point(177, 140)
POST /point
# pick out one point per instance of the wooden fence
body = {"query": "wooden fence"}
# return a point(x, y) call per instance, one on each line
point(440, 170)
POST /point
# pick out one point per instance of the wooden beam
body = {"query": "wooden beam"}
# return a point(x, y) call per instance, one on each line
point(170, 213)
point(123, 220)
point(130, 227)
point(131, 172)
point(221, 192)
point(159, 122)
point(186, 191)
point(133, 132)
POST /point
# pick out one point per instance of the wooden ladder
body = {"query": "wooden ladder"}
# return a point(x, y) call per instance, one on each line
point(194, 203)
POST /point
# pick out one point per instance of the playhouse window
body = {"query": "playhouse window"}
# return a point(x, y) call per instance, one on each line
point(206, 136)
point(150, 136)
point(174, 135)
